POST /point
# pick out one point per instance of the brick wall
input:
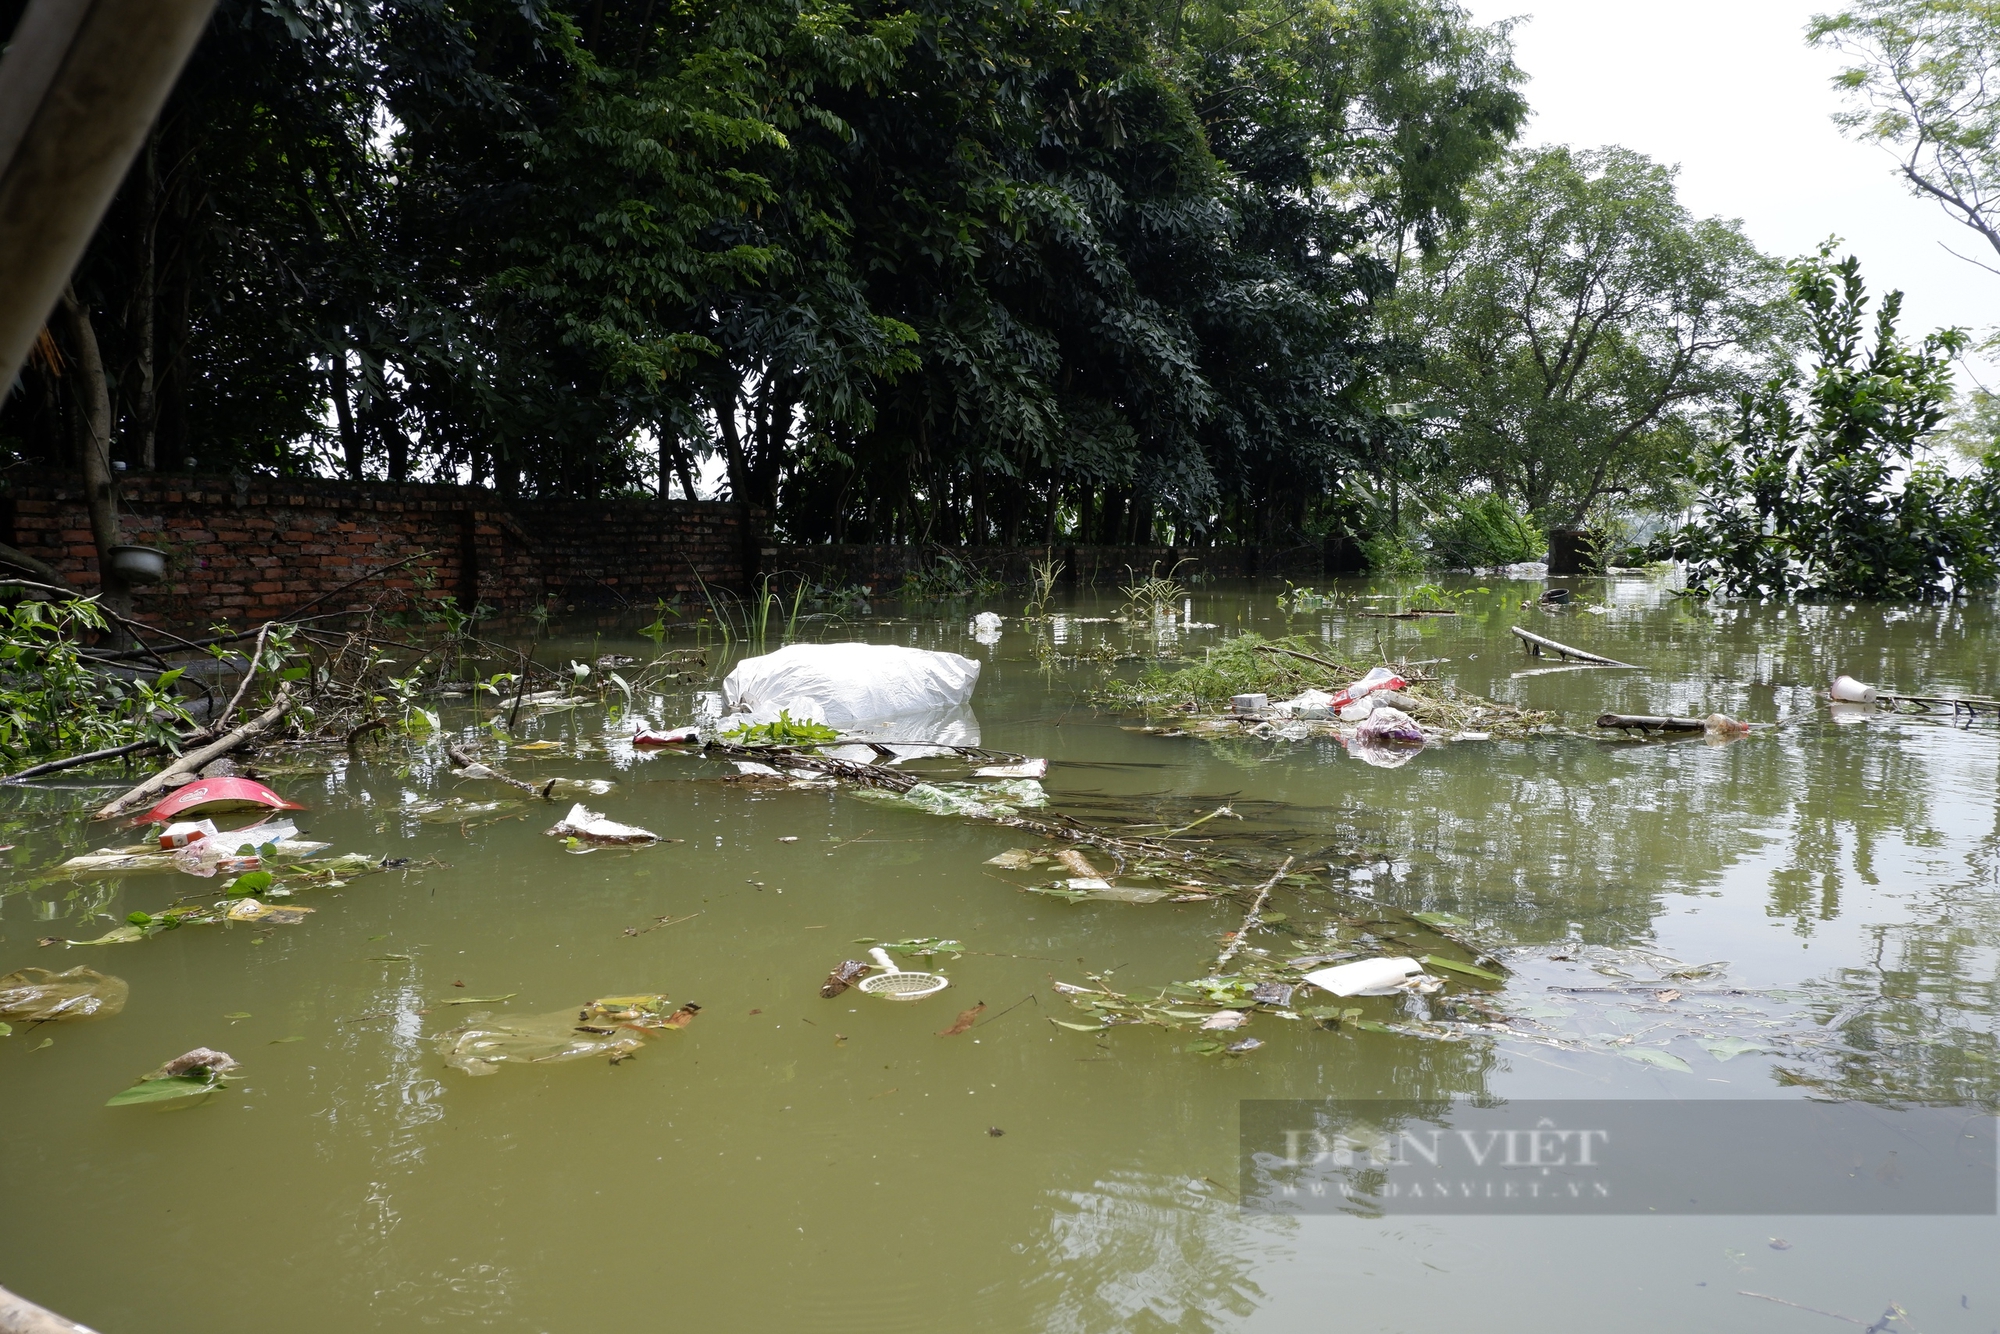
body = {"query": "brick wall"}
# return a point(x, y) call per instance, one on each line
point(245, 549)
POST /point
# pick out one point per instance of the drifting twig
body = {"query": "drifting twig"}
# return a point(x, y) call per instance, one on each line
point(460, 760)
point(1646, 723)
point(1196, 824)
point(1250, 920)
point(1294, 653)
point(249, 675)
point(1535, 644)
point(77, 761)
point(194, 759)
point(1766, 1297)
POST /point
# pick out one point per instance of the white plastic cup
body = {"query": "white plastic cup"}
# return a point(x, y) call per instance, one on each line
point(1850, 691)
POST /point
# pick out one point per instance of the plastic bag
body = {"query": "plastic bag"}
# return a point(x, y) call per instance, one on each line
point(1379, 678)
point(1306, 704)
point(36, 995)
point(1387, 726)
point(976, 799)
point(853, 685)
point(677, 736)
point(1371, 977)
point(614, 1026)
point(985, 627)
point(588, 826)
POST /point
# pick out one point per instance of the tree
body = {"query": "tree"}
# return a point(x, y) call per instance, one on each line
point(1822, 490)
point(913, 270)
point(1923, 84)
point(1576, 330)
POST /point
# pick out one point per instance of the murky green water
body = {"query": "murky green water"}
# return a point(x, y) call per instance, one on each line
point(788, 1162)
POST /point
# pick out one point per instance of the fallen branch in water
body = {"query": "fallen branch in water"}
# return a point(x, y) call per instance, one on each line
point(194, 759)
point(1535, 644)
point(1294, 653)
point(78, 761)
point(1645, 723)
point(1250, 920)
point(474, 769)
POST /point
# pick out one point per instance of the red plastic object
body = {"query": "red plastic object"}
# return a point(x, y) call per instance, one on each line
point(220, 794)
point(679, 736)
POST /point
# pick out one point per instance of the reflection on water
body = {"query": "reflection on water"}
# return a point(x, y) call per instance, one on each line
point(1812, 910)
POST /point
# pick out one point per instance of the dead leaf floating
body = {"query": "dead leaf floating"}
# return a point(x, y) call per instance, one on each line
point(964, 1021)
point(840, 979)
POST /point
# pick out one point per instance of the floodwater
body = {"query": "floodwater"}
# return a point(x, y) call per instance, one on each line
point(791, 1162)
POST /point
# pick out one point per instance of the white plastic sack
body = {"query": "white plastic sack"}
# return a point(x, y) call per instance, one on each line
point(1370, 977)
point(853, 686)
point(1308, 704)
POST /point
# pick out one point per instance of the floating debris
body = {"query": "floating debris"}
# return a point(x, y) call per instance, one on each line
point(38, 996)
point(587, 826)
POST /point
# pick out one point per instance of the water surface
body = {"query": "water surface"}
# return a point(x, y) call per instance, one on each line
point(807, 1164)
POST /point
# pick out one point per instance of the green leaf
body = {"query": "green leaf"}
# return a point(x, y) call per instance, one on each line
point(478, 1000)
point(1081, 1028)
point(293, 674)
point(1454, 966)
point(250, 882)
point(296, 1037)
point(162, 1090)
point(117, 935)
point(1372, 1026)
point(1665, 1060)
point(6, 1030)
point(139, 918)
point(1723, 1049)
point(240, 1014)
point(165, 679)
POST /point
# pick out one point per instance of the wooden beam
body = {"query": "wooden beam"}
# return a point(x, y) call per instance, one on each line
point(81, 83)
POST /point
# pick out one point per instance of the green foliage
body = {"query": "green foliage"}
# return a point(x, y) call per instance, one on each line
point(52, 704)
point(784, 730)
point(1237, 666)
point(1820, 491)
point(1576, 331)
point(1484, 530)
point(1154, 598)
point(1923, 84)
point(944, 576)
point(1393, 553)
point(1436, 597)
point(1295, 600)
point(926, 274)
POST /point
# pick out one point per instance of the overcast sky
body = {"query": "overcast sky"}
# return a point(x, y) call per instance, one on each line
point(1731, 94)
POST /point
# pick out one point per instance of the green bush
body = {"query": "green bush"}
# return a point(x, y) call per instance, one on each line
point(1392, 553)
point(52, 704)
point(1484, 530)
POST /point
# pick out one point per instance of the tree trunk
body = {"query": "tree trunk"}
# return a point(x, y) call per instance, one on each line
point(92, 419)
point(351, 444)
point(722, 399)
point(140, 446)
